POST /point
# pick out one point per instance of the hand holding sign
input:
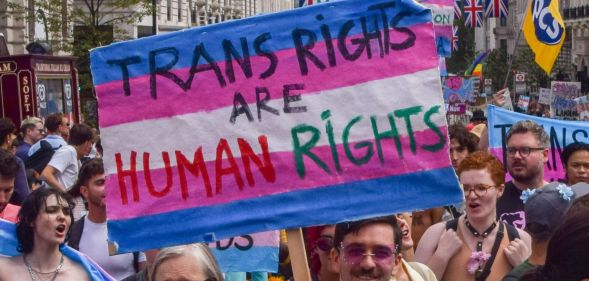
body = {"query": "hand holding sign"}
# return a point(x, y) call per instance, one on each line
point(499, 97)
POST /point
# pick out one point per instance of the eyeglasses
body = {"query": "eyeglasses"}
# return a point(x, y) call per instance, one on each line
point(523, 151)
point(479, 189)
point(354, 254)
point(325, 243)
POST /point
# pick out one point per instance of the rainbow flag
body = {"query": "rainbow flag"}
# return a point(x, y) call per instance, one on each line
point(476, 64)
point(305, 117)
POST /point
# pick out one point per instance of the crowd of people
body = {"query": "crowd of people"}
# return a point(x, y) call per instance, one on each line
point(52, 185)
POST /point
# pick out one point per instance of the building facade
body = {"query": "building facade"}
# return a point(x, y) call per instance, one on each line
point(20, 29)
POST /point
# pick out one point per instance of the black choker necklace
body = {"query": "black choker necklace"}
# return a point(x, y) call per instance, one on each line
point(476, 234)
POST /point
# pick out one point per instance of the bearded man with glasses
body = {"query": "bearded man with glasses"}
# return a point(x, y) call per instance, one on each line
point(527, 153)
point(475, 246)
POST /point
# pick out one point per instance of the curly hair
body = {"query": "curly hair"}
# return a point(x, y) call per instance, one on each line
point(89, 169)
point(6, 128)
point(29, 211)
point(8, 164)
point(464, 138)
point(483, 160)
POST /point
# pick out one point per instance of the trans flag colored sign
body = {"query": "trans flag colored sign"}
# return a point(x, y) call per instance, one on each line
point(311, 116)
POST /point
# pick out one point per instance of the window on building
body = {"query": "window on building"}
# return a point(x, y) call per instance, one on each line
point(169, 10)
point(503, 44)
point(503, 21)
point(179, 10)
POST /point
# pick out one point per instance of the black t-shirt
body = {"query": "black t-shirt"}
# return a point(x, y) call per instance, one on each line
point(510, 208)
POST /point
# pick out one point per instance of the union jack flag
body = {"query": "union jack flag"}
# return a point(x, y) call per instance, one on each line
point(473, 13)
point(455, 38)
point(496, 8)
point(457, 9)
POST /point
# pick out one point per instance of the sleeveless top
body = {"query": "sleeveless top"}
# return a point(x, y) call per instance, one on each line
point(456, 268)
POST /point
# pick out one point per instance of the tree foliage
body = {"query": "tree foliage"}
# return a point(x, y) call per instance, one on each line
point(77, 26)
point(462, 58)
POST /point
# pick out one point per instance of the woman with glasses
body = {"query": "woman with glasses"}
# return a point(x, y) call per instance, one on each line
point(187, 262)
point(319, 240)
point(475, 246)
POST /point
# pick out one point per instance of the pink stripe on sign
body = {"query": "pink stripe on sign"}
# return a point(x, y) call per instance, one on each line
point(286, 178)
point(206, 94)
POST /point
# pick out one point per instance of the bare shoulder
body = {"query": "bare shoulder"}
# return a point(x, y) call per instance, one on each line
point(13, 268)
point(73, 271)
point(429, 242)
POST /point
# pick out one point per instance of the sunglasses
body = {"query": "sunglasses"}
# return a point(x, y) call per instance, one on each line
point(354, 254)
point(325, 243)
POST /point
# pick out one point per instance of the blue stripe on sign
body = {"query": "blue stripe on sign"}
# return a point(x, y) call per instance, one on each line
point(419, 190)
point(8, 240)
point(278, 25)
point(254, 259)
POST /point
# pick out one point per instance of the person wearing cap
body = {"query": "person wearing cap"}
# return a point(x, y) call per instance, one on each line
point(544, 208)
point(575, 159)
point(32, 130)
point(478, 117)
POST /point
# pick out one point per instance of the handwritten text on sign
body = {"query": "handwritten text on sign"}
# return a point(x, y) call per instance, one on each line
point(249, 125)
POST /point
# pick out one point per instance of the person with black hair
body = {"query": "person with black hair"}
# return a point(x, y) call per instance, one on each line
point(21, 186)
point(8, 171)
point(367, 249)
point(43, 226)
point(575, 160)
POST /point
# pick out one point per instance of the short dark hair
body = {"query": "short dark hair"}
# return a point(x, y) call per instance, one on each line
point(529, 126)
point(90, 169)
point(8, 165)
point(345, 228)
point(53, 121)
point(464, 138)
point(570, 149)
point(80, 133)
point(30, 209)
point(6, 128)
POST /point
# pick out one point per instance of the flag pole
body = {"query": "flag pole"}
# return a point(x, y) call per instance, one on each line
point(510, 58)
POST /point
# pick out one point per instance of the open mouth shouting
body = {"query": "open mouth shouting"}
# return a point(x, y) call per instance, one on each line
point(61, 230)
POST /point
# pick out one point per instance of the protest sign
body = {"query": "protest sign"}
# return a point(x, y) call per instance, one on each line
point(545, 96)
point(523, 102)
point(311, 116)
point(583, 107)
point(561, 134)
point(247, 253)
point(443, 19)
point(457, 89)
point(563, 105)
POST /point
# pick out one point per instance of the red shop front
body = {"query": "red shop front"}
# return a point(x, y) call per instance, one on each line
point(38, 85)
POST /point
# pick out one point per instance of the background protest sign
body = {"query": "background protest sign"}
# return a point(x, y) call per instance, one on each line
point(561, 134)
point(523, 102)
point(443, 19)
point(247, 253)
point(545, 96)
point(311, 116)
point(583, 107)
point(563, 104)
